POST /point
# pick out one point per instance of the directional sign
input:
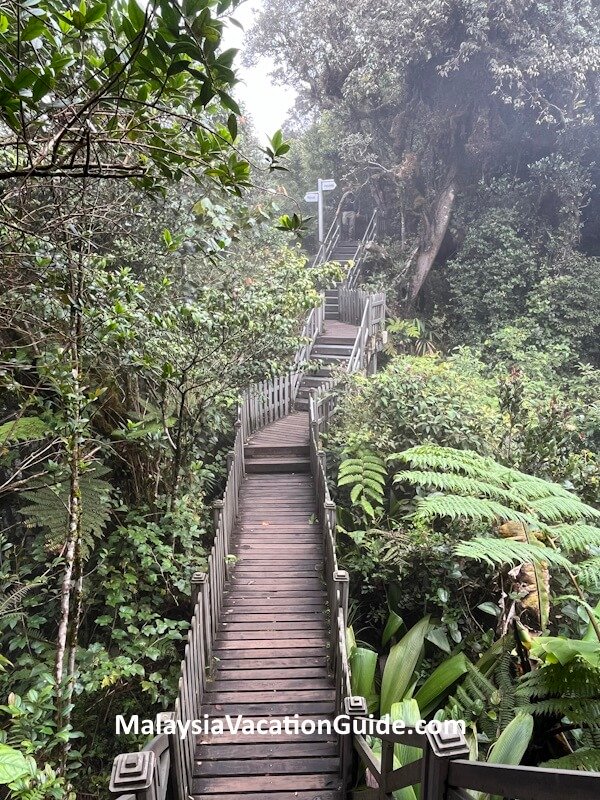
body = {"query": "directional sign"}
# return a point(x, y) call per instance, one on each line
point(328, 185)
point(312, 197)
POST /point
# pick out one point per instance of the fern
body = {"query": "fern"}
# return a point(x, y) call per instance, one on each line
point(463, 486)
point(456, 484)
point(577, 537)
point(450, 459)
point(497, 552)
point(366, 474)
point(23, 429)
point(586, 758)
point(469, 509)
point(588, 573)
point(48, 507)
point(561, 507)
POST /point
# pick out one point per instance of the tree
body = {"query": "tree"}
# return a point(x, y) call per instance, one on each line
point(431, 97)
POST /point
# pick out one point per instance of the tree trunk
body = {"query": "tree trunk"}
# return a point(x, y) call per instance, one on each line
point(442, 212)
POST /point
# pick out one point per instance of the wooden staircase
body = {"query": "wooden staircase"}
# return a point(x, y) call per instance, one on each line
point(333, 348)
point(271, 645)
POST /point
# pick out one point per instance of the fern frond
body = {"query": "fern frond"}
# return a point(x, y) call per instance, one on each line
point(23, 429)
point(531, 488)
point(48, 507)
point(11, 601)
point(471, 509)
point(588, 573)
point(560, 507)
point(427, 457)
point(456, 484)
point(498, 552)
point(586, 759)
point(575, 710)
point(577, 537)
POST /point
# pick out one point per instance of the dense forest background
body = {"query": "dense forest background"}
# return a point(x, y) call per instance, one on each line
point(150, 271)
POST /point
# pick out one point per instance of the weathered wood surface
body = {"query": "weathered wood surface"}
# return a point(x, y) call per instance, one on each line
point(271, 645)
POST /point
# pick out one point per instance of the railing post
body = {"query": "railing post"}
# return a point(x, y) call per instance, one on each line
point(196, 582)
point(330, 512)
point(230, 457)
point(446, 743)
point(354, 707)
point(133, 774)
point(342, 580)
point(237, 426)
point(201, 579)
point(217, 513)
point(175, 785)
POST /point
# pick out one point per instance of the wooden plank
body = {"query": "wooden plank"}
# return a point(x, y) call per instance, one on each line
point(257, 683)
point(287, 795)
point(235, 626)
point(273, 766)
point(254, 750)
point(278, 638)
point(219, 697)
point(314, 708)
point(240, 785)
point(285, 656)
point(299, 669)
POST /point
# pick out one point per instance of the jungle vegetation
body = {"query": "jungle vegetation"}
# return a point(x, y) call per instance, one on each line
point(149, 274)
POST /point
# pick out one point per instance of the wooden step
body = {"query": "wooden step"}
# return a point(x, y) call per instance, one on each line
point(267, 464)
point(275, 450)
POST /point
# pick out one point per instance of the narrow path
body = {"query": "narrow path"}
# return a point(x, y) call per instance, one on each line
point(272, 642)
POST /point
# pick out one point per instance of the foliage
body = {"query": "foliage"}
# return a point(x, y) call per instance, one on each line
point(365, 474)
point(419, 399)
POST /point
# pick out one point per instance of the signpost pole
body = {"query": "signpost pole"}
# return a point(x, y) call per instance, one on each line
point(321, 210)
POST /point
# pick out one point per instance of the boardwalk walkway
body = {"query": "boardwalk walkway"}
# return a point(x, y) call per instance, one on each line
point(272, 642)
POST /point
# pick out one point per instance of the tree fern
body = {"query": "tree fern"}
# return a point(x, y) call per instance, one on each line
point(460, 485)
point(366, 474)
point(577, 537)
point(497, 552)
point(586, 758)
point(48, 507)
point(470, 509)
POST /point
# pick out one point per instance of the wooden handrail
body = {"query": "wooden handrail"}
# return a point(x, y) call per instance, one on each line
point(327, 246)
point(370, 234)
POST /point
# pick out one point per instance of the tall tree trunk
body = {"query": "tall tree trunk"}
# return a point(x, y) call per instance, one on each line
point(66, 638)
point(434, 236)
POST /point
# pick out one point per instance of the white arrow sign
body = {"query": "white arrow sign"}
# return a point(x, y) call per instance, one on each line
point(312, 197)
point(328, 185)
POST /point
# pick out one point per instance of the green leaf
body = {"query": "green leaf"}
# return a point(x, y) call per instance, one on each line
point(392, 626)
point(13, 764)
point(232, 126)
point(512, 743)
point(437, 685)
point(401, 664)
point(408, 712)
point(24, 429)
point(136, 15)
point(95, 13)
point(363, 663)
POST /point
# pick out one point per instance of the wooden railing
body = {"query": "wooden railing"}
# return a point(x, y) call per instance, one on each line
point(353, 277)
point(328, 245)
point(312, 328)
point(443, 771)
point(143, 775)
point(267, 401)
point(367, 311)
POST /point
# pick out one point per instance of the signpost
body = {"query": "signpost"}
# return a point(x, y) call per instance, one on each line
point(323, 185)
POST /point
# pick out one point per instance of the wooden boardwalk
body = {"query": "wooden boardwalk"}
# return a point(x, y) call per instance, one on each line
point(272, 641)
